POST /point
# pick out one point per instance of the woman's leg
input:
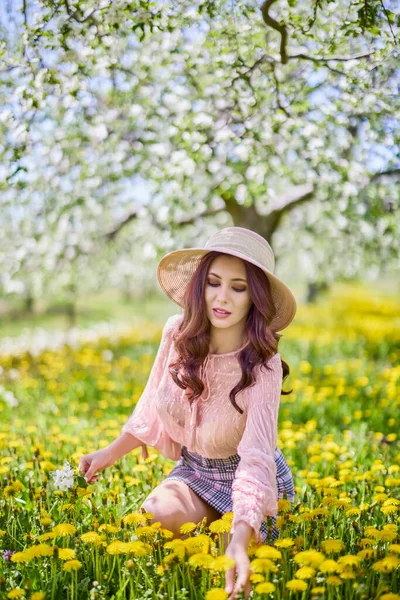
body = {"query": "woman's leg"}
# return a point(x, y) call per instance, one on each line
point(173, 503)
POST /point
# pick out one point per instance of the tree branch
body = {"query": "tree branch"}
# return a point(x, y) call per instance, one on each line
point(268, 20)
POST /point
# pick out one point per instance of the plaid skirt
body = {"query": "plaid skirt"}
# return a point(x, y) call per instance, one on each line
point(212, 478)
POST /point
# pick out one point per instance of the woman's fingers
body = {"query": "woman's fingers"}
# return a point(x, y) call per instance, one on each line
point(229, 580)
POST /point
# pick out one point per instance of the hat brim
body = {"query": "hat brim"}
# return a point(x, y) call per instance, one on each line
point(176, 269)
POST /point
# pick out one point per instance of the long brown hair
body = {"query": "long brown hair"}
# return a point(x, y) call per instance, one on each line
point(192, 341)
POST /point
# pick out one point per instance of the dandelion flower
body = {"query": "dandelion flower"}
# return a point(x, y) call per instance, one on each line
point(72, 565)
point(309, 558)
point(265, 588)
point(390, 596)
point(92, 537)
point(16, 593)
point(64, 529)
point(318, 590)
point(187, 527)
point(135, 518)
point(284, 543)
point(329, 566)
point(296, 585)
point(220, 526)
point(117, 547)
point(263, 565)
point(305, 573)
point(332, 546)
point(216, 594)
point(349, 560)
point(394, 548)
point(200, 560)
point(333, 580)
point(268, 552)
point(387, 564)
point(38, 596)
point(222, 563)
point(66, 553)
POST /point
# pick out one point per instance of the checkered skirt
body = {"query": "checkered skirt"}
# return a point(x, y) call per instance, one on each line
point(212, 478)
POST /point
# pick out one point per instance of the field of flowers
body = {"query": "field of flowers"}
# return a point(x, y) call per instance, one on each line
point(338, 430)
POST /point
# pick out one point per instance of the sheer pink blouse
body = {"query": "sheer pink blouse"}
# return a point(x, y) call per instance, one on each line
point(164, 419)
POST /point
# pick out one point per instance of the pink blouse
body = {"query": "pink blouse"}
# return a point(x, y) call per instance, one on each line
point(164, 419)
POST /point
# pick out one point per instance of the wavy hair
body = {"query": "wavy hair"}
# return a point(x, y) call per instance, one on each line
point(192, 340)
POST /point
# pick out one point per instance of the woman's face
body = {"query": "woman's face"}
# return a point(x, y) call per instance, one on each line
point(227, 288)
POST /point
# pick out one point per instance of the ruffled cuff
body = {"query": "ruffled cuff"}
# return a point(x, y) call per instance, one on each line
point(251, 503)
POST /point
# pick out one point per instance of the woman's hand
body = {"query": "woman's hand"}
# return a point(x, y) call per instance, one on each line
point(239, 553)
point(90, 464)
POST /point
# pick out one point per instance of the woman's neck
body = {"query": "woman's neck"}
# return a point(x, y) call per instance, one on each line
point(227, 340)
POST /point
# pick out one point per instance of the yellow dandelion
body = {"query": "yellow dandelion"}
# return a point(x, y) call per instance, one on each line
point(394, 548)
point(387, 535)
point(39, 550)
point(220, 526)
point(216, 594)
point(200, 560)
point(265, 588)
point(333, 580)
point(296, 585)
point(16, 593)
point(108, 528)
point(46, 536)
point(46, 521)
point(228, 516)
point(2, 533)
point(263, 565)
point(387, 564)
point(198, 543)
point(38, 596)
point(266, 551)
point(10, 492)
point(349, 574)
point(92, 537)
point(350, 560)
point(187, 527)
point(72, 565)
point(353, 512)
point(332, 546)
point(222, 563)
point(135, 518)
point(64, 529)
point(284, 543)
point(318, 590)
point(117, 547)
point(146, 531)
point(305, 573)
point(309, 558)
point(367, 553)
point(21, 557)
point(138, 548)
point(160, 570)
point(166, 533)
point(329, 566)
point(390, 596)
point(256, 578)
point(66, 553)
point(371, 531)
point(284, 505)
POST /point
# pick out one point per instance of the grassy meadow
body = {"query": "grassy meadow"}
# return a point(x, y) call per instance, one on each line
point(338, 430)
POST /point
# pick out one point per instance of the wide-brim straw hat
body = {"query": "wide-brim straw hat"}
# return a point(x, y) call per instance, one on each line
point(176, 269)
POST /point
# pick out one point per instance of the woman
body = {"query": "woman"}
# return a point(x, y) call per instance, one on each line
point(212, 397)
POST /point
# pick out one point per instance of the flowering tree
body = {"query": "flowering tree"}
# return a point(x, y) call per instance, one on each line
point(131, 127)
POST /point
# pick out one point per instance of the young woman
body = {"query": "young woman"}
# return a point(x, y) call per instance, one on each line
point(212, 398)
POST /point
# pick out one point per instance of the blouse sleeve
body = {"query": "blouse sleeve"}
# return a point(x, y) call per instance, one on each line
point(145, 423)
point(254, 489)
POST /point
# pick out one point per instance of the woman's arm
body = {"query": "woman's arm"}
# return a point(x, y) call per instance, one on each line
point(125, 443)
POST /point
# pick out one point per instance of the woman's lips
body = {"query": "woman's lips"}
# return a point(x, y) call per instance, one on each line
point(220, 315)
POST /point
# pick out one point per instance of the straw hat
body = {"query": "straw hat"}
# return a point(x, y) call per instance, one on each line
point(176, 269)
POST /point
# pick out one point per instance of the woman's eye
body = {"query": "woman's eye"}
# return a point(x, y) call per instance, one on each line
point(235, 289)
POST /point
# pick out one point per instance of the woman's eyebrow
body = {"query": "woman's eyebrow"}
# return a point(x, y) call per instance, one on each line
point(234, 279)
